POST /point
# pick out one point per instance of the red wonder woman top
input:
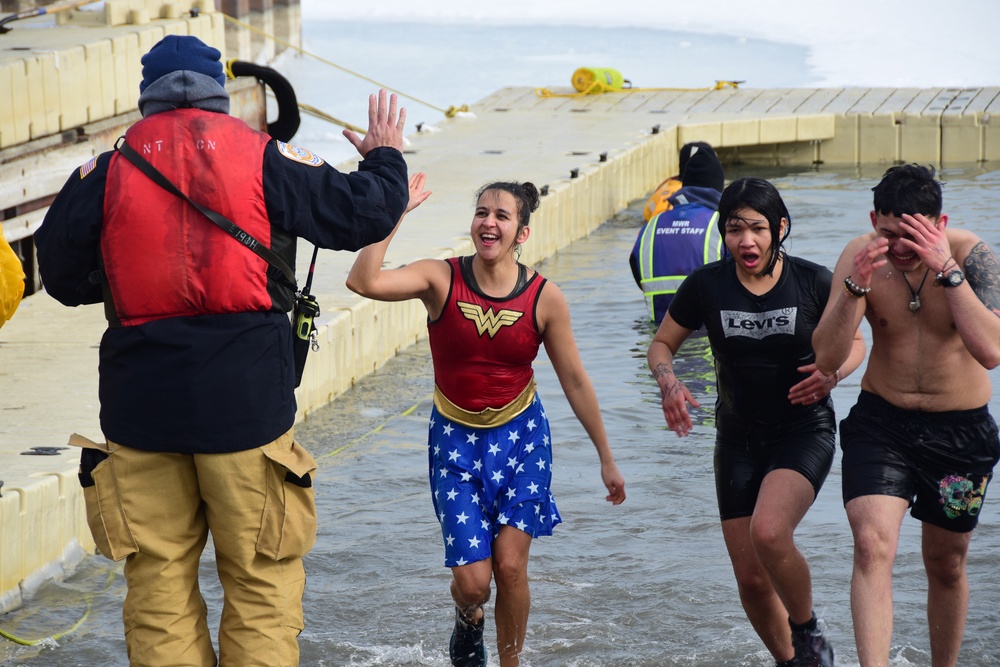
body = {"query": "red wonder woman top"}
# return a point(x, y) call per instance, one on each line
point(483, 346)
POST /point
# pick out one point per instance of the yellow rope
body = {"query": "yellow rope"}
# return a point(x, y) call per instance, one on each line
point(313, 111)
point(405, 413)
point(59, 635)
point(449, 112)
point(598, 87)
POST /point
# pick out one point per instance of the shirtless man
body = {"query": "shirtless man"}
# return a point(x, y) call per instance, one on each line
point(920, 435)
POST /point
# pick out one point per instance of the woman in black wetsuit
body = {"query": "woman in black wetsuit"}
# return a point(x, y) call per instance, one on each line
point(775, 437)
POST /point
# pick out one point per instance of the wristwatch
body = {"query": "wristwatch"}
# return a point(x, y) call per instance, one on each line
point(951, 279)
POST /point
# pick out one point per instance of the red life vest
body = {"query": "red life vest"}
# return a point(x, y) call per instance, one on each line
point(483, 347)
point(163, 258)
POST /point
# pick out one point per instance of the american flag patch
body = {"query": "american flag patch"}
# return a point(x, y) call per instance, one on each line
point(87, 168)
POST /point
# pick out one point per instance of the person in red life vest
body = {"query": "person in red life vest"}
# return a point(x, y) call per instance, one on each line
point(489, 447)
point(677, 241)
point(659, 201)
point(775, 426)
point(196, 370)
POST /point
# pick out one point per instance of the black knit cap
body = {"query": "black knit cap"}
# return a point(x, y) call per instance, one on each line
point(181, 52)
point(703, 169)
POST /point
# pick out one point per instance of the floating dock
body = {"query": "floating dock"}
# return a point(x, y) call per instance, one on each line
point(591, 155)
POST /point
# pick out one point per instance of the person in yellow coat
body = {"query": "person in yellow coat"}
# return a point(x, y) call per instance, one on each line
point(11, 281)
point(659, 201)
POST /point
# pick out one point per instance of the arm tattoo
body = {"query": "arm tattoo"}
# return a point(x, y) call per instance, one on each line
point(983, 271)
point(661, 370)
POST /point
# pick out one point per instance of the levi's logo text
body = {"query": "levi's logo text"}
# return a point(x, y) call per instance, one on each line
point(758, 325)
point(488, 322)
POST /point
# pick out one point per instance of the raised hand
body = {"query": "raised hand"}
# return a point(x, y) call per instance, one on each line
point(928, 240)
point(385, 127)
point(417, 194)
point(869, 258)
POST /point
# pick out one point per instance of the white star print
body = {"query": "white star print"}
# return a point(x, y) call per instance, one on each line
point(460, 561)
point(494, 449)
point(462, 518)
point(511, 492)
point(477, 465)
point(513, 436)
point(498, 476)
point(502, 519)
point(531, 424)
point(450, 540)
point(511, 462)
point(454, 455)
point(452, 494)
point(533, 487)
point(541, 464)
point(431, 425)
point(545, 439)
point(471, 439)
point(475, 498)
point(473, 542)
point(448, 428)
point(530, 447)
point(443, 472)
point(521, 525)
point(466, 477)
point(520, 468)
point(437, 449)
point(485, 524)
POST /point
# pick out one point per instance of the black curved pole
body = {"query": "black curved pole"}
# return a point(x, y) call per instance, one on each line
point(286, 124)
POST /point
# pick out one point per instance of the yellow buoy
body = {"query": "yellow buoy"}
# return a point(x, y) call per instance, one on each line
point(599, 79)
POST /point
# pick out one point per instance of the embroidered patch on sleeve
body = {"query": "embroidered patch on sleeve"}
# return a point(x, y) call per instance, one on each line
point(297, 154)
point(87, 168)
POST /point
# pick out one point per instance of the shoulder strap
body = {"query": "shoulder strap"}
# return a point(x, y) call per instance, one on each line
point(281, 272)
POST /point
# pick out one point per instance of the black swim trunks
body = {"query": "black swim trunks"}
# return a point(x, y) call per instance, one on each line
point(746, 451)
point(941, 462)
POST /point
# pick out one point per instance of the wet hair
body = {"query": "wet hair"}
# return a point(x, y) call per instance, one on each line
point(908, 189)
point(761, 196)
point(525, 194)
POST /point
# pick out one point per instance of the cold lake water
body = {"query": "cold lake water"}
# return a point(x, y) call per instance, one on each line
point(644, 584)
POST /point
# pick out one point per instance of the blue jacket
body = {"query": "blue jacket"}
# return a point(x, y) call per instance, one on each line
point(675, 243)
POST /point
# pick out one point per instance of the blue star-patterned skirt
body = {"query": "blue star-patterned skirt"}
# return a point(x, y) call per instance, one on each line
point(485, 478)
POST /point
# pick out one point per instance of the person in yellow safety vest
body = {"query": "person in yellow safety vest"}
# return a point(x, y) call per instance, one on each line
point(659, 201)
point(676, 242)
point(11, 281)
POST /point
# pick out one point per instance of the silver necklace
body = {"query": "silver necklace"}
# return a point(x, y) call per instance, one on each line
point(915, 295)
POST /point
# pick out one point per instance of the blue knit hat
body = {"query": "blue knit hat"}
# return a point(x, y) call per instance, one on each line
point(181, 52)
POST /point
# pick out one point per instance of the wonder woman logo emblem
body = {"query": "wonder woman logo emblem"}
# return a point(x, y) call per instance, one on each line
point(488, 322)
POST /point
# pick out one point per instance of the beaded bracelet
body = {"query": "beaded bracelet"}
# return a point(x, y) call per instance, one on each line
point(854, 289)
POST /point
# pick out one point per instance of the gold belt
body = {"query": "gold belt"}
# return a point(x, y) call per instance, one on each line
point(487, 417)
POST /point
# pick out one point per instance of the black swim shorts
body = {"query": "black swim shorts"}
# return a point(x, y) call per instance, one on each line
point(746, 451)
point(941, 462)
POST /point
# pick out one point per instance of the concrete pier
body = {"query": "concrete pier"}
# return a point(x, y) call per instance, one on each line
point(591, 155)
